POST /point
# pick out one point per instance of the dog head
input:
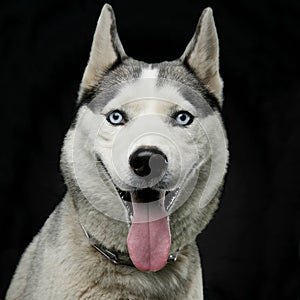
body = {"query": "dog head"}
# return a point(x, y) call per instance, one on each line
point(147, 146)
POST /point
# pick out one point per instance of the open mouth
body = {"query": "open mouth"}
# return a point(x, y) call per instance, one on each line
point(149, 237)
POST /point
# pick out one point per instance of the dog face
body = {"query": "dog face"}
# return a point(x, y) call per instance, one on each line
point(148, 138)
point(148, 124)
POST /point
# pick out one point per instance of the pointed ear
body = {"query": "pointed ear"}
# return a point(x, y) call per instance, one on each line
point(202, 54)
point(106, 51)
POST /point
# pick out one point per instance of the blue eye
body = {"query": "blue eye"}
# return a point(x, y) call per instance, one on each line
point(183, 118)
point(116, 117)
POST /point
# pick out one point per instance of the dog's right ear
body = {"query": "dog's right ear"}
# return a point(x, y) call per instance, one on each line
point(106, 51)
point(202, 54)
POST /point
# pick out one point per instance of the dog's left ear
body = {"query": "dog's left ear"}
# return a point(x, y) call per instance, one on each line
point(202, 54)
point(106, 51)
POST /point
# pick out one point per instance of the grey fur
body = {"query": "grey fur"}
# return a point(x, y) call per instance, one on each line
point(108, 87)
point(60, 263)
point(188, 84)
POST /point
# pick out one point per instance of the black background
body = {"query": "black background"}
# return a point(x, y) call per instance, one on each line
point(250, 250)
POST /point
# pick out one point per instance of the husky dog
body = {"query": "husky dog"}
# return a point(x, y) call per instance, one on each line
point(144, 163)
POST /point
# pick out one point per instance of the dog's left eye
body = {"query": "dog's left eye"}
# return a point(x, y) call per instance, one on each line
point(116, 117)
point(183, 118)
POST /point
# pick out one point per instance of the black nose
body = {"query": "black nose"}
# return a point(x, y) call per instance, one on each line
point(148, 161)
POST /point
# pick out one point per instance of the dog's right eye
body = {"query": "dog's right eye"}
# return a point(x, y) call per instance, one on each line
point(116, 117)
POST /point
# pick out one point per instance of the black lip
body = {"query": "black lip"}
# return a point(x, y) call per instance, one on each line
point(126, 200)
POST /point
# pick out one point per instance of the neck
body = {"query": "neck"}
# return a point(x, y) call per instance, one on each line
point(101, 229)
point(107, 227)
point(116, 257)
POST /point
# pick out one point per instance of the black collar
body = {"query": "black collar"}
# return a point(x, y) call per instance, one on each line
point(116, 257)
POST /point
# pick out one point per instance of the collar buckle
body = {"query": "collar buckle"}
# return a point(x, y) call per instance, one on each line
point(108, 254)
point(103, 250)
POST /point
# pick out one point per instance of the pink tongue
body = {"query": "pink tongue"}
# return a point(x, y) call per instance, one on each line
point(149, 237)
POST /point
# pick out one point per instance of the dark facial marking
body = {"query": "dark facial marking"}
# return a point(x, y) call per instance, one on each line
point(188, 85)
